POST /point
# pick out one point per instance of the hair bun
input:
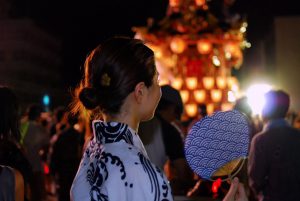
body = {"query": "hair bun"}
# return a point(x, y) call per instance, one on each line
point(88, 97)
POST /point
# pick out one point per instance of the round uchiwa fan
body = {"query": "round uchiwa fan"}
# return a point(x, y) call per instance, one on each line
point(217, 145)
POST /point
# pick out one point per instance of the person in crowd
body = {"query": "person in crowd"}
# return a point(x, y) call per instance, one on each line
point(274, 163)
point(65, 157)
point(202, 112)
point(35, 139)
point(243, 106)
point(11, 153)
point(120, 83)
point(12, 184)
point(59, 120)
point(296, 122)
point(163, 141)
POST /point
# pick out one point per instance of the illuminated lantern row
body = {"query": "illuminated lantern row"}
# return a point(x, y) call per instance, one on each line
point(216, 91)
point(195, 55)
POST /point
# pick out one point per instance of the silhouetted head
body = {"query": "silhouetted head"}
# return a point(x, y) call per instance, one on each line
point(171, 101)
point(243, 106)
point(72, 118)
point(59, 113)
point(9, 114)
point(112, 71)
point(277, 105)
point(202, 109)
point(34, 112)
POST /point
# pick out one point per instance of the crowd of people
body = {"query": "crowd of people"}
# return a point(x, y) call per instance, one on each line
point(123, 139)
point(42, 149)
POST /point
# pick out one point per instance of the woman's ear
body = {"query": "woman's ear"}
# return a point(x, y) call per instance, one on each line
point(139, 92)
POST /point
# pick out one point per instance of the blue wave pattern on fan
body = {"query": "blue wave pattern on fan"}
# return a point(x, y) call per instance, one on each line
point(216, 140)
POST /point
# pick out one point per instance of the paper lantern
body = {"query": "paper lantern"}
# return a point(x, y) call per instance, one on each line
point(210, 108)
point(177, 45)
point(204, 46)
point(200, 96)
point(177, 83)
point(184, 95)
point(174, 3)
point(231, 81)
point(226, 106)
point(191, 83)
point(191, 109)
point(216, 95)
point(208, 82)
point(200, 2)
point(221, 82)
point(232, 48)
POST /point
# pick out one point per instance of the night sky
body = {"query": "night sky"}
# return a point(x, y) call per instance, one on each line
point(81, 25)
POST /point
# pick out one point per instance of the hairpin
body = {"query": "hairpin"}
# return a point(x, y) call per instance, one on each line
point(105, 80)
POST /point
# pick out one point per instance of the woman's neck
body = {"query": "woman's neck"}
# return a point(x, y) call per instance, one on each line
point(126, 119)
point(128, 114)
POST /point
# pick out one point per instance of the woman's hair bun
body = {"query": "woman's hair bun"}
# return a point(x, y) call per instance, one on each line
point(89, 98)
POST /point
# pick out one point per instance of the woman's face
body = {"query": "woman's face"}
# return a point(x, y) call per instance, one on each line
point(153, 97)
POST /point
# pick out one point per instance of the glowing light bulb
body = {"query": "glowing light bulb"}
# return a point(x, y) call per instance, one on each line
point(216, 61)
point(256, 99)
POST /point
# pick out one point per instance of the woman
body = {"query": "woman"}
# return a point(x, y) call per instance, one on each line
point(120, 85)
point(10, 152)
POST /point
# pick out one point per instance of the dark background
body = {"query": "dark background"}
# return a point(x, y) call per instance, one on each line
point(81, 25)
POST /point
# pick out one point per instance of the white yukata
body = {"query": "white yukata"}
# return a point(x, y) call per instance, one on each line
point(115, 167)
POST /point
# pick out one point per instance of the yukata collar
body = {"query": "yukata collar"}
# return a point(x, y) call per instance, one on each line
point(112, 132)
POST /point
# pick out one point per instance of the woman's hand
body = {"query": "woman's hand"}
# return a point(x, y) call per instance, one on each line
point(236, 192)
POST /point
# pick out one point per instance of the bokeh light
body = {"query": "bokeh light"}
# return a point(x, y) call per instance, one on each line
point(255, 95)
